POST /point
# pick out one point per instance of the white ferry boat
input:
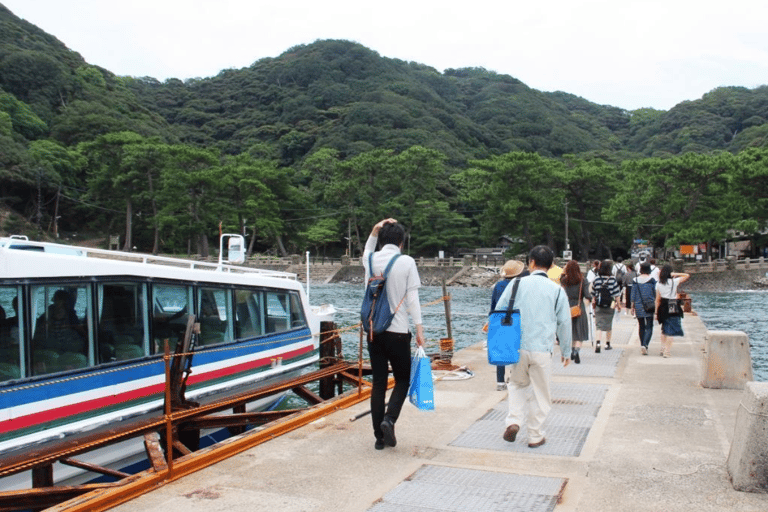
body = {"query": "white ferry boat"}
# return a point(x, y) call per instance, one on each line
point(82, 335)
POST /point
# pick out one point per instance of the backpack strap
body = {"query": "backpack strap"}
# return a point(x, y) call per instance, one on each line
point(370, 263)
point(389, 265)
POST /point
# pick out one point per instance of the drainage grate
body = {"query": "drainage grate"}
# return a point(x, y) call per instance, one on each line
point(574, 409)
point(433, 488)
point(603, 364)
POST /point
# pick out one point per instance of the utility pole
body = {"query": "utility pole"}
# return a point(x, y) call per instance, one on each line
point(567, 245)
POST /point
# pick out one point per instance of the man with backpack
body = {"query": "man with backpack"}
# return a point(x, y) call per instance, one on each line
point(392, 347)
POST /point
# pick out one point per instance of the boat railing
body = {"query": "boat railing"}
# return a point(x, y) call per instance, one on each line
point(146, 259)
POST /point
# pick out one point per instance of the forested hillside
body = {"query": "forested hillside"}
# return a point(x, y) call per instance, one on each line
point(302, 149)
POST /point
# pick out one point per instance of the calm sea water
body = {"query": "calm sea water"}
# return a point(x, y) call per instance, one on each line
point(740, 311)
point(469, 310)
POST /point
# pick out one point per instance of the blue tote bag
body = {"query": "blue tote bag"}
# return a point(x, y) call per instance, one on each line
point(421, 392)
point(504, 333)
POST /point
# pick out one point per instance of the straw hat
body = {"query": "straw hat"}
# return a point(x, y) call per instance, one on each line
point(512, 268)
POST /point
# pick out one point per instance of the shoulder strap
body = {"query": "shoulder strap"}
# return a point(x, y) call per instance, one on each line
point(389, 265)
point(640, 289)
point(511, 305)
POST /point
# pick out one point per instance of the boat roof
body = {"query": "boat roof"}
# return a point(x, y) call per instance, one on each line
point(22, 258)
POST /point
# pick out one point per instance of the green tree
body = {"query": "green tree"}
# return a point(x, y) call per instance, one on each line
point(322, 232)
point(23, 120)
point(687, 199)
point(188, 194)
point(519, 195)
point(588, 187)
point(249, 200)
point(111, 175)
point(57, 167)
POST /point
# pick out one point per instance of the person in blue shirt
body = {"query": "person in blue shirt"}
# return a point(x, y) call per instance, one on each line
point(545, 317)
point(510, 270)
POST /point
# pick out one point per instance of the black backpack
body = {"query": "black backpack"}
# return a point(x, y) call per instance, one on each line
point(603, 297)
point(375, 313)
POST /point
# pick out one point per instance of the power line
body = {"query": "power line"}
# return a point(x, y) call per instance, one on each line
point(89, 204)
point(615, 223)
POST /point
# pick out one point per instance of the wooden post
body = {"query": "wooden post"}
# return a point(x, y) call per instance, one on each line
point(360, 365)
point(330, 354)
point(446, 344)
point(42, 476)
point(447, 302)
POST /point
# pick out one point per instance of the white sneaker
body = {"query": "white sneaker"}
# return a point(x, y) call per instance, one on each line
point(501, 386)
point(644, 351)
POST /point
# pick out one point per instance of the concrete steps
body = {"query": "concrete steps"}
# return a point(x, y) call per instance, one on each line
point(318, 274)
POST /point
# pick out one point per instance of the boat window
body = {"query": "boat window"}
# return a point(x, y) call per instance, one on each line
point(11, 331)
point(297, 312)
point(277, 312)
point(170, 307)
point(61, 336)
point(249, 317)
point(123, 326)
point(213, 314)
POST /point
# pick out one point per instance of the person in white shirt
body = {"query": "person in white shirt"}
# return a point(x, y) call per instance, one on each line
point(666, 292)
point(393, 346)
point(655, 271)
point(592, 272)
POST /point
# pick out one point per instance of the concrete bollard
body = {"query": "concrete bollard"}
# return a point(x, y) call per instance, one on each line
point(728, 362)
point(748, 458)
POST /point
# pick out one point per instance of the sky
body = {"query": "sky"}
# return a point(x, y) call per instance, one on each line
point(625, 53)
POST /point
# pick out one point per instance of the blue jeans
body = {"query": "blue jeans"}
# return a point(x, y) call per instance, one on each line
point(501, 373)
point(645, 325)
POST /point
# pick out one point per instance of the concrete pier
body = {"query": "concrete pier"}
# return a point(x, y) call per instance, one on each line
point(627, 432)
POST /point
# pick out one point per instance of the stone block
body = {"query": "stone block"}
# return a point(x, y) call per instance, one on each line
point(747, 462)
point(728, 363)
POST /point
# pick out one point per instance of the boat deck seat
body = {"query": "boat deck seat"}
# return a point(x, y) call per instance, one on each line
point(45, 361)
point(72, 361)
point(9, 371)
point(125, 351)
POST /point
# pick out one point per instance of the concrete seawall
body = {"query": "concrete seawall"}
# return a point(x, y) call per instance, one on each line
point(725, 280)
